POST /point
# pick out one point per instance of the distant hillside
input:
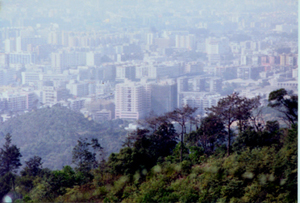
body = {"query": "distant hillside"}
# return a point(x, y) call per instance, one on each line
point(51, 133)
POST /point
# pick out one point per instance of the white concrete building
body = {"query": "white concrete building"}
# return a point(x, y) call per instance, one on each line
point(31, 77)
point(132, 100)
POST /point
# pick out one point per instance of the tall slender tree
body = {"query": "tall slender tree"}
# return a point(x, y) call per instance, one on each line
point(83, 158)
point(9, 160)
point(244, 107)
point(181, 116)
point(226, 110)
point(9, 157)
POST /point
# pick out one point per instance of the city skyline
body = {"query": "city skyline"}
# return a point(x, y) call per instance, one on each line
point(80, 52)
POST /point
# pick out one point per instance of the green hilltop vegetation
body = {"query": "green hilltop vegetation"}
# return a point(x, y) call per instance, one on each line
point(53, 132)
point(257, 162)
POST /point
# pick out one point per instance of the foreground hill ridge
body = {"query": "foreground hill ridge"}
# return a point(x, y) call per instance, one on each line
point(158, 164)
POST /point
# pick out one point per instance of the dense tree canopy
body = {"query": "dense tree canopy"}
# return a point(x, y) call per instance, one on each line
point(52, 133)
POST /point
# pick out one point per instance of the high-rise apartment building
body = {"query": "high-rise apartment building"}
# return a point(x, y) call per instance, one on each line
point(31, 77)
point(132, 100)
point(62, 60)
point(20, 101)
point(54, 38)
point(150, 37)
point(93, 59)
point(23, 43)
point(163, 96)
point(51, 95)
point(21, 58)
point(125, 72)
point(212, 46)
point(216, 48)
point(3, 59)
point(200, 100)
point(79, 89)
point(10, 45)
point(215, 85)
point(282, 59)
point(164, 70)
point(185, 41)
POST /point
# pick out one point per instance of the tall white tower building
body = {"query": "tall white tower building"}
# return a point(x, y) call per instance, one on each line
point(132, 100)
point(150, 38)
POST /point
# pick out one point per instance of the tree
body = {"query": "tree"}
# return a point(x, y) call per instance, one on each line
point(138, 138)
point(210, 131)
point(257, 139)
point(128, 161)
point(234, 108)
point(182, 116)
point(153, 122)
point(256, 119)
point(163, 141)
point(244, 110)
point(9, 157)
point(32, 169)
point(83, 158)
point(9, 160)
point(33, 166)
point(286, 104)
point(55, 183)
point(5, 184)
point(226, 111)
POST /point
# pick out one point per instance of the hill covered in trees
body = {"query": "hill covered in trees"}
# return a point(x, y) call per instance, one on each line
point(53, 132)
point(257, 162)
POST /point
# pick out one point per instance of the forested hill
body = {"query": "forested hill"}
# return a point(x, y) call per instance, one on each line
point(52, 133)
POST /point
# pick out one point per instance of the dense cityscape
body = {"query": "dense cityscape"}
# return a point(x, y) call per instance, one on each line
point(125, 59)
point(148, 101)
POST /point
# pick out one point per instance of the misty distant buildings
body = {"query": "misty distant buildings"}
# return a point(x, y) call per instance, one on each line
point(17, 101)
point(7, 76)
point(100, 116)
point(164, 70)
point(200, 100)
point(217, 50)
point(163, 96)
point(150, 37)
point(22, 58)
point(128, 62)
point(76, 104)
point(52, 95)
point(200, 92)
point(125, 72)
point(79, 89)
point(63, 60)
point(185, 41)
point(135, 100)
point(93, 59)
point(31, 77)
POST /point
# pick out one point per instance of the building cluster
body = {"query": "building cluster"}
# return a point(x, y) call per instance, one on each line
point(125, 65)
